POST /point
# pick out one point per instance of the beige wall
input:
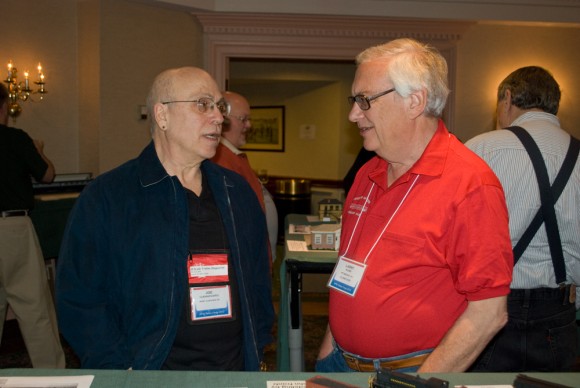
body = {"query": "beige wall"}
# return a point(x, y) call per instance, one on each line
point(316, 157)
point(46, 32)
point(100, 57)
point(314, 95)
point(488, 53)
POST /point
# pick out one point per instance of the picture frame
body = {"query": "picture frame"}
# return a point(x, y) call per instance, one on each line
point(267, 133)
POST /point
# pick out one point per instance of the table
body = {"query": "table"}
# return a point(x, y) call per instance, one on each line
point(156, 379)
point(290, 356)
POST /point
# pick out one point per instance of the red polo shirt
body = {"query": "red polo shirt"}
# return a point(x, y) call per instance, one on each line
point(447, 244)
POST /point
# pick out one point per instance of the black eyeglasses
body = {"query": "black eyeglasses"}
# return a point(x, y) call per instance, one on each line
point(364, 102)
point(205, 104)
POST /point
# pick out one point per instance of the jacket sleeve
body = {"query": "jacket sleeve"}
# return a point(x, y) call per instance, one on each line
point(83, 283)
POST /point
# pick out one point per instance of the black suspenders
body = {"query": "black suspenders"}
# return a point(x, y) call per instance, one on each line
point(548, 195)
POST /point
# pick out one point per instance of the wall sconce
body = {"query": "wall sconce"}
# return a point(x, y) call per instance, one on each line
point(20, 91)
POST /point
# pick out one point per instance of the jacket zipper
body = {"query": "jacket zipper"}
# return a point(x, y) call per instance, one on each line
point(242, 278)
point(170, 301)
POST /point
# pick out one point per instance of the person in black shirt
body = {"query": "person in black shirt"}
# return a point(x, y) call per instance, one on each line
point(23, 281)
point(362, 157)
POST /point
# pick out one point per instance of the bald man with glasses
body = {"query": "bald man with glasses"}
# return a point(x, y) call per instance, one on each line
point(164, 263)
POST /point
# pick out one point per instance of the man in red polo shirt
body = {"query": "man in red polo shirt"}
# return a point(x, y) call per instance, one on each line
point(425, 259)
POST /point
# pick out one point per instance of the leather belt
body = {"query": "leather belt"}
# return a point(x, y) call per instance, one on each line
point(368, 366)
point(565, 295)
point(14, 213)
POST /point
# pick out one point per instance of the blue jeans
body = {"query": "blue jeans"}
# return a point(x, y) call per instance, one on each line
point(335, 362)
point(540, 335)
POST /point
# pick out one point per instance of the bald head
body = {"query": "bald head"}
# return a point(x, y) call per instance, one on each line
point(238, 121)
point(186, 115)
point(168, 85)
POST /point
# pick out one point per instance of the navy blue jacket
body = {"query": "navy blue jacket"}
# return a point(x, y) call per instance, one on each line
point(121, 275)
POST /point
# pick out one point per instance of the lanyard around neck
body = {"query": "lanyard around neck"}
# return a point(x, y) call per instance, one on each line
point(386, 225)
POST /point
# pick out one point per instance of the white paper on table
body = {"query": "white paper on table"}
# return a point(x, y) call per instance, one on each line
point(47, 381)
point(286, 384)
point(297, 246)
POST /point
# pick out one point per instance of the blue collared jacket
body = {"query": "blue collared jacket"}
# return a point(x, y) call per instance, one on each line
point(121, 275)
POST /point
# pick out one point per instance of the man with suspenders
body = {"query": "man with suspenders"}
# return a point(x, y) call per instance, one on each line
point(537, 164)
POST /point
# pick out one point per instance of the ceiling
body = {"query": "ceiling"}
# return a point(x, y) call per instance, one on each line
point(536, 11)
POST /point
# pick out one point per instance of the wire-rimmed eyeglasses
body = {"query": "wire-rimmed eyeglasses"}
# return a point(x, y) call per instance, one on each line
point(205, 104)
point(364, 102)
point(243, 119)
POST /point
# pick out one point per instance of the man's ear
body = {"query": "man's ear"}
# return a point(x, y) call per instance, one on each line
point(416, 103)
point(507, 101)
point(160, 115)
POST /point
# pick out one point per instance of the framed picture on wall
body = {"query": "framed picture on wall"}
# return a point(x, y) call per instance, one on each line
point(267, 133)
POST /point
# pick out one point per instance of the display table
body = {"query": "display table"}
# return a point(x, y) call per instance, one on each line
point(156, 379)
point(290, 355)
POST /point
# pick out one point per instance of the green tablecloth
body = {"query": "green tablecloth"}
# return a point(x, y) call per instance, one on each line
point(156, 379)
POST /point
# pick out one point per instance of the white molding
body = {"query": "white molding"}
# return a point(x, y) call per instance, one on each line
point(317, 37)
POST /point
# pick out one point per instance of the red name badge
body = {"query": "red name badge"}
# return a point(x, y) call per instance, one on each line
point(207, 268)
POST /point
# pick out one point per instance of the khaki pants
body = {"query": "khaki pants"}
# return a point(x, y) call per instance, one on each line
point(24, 285)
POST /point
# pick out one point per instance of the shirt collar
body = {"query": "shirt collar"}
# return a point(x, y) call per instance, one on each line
point(534, 115)
point(230, 146)
point(431, 162)
point(150, 169)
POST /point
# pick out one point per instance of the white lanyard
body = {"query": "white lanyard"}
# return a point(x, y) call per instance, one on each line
point(348, 274)
point(386, 225)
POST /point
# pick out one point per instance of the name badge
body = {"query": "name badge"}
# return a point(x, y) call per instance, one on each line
point(210, 302)
point(207, 268)
point(347, 276)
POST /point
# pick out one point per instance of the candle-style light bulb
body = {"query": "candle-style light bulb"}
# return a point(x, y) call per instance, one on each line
point(40, 75)
point(26, 80)
point(10, 70)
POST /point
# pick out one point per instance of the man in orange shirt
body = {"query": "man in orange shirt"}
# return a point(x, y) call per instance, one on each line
point(234, 129)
